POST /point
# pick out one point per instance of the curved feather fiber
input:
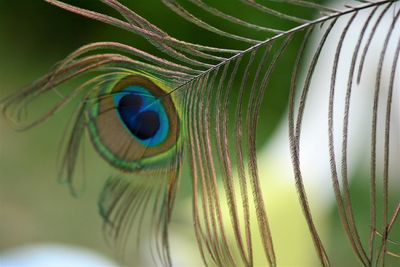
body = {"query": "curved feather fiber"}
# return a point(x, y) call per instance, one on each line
point(219, 94)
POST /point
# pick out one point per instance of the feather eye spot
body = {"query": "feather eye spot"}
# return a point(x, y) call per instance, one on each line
point(135, 124)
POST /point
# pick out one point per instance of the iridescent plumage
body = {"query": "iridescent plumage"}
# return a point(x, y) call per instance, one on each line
point(134, 124)
point(145, 114)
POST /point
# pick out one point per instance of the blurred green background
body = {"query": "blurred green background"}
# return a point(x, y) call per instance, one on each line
point(34, 208)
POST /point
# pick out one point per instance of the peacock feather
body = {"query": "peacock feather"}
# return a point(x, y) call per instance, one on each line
point(206, 107)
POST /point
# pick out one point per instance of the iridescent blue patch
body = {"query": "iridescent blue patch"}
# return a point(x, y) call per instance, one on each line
point(142, 114)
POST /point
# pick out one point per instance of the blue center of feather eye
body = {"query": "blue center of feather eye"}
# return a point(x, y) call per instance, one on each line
point(142, 114)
